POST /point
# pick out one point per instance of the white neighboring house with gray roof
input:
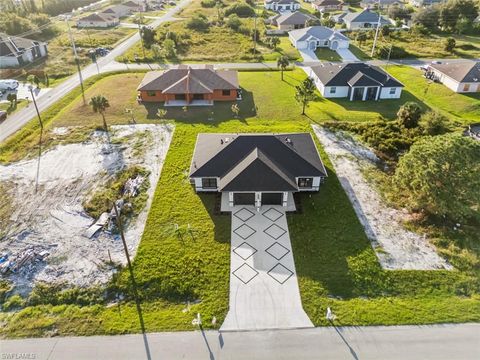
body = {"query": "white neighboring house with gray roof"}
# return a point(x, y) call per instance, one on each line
point(318, 36)
point(291, 20)
point(281, 5)
point(461, 77)
point(16, 51)
point(355, 81)
point(365, 19)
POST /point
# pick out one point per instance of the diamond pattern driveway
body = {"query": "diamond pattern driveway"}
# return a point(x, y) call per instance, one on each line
point(264, 290)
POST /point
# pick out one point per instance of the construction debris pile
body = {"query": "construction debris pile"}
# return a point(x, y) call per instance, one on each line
point(49, 236)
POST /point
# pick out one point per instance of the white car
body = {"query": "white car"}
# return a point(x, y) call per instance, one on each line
point(8, 84)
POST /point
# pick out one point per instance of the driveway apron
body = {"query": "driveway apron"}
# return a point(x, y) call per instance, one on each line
point(264, 290)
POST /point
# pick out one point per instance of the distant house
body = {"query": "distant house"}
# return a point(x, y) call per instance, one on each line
point(18, 51)
point(383, 4)
point(281, 5)
point(355, 81)
point(256, 169)
point(98, 21)
point(183, 85)
point(327, 5)
point(136, 6)
point(365, 19)
point(118, 10)
point(318, 36)
point(338, 18)
point(291, 20)
point(420, 3)
point(461, 77)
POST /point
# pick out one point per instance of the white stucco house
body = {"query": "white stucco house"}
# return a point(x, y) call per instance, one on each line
point(461, 77)
point(118, 11)
point(355, 81)
point(282, 5)
point(365, 19)
point(318, 36)
point(18, 51)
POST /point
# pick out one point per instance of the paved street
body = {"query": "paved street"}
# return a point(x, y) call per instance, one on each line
point(17, 120)
point(439, 342)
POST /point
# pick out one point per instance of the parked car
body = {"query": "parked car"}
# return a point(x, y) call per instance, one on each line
point(101, 51)
point(8, 84)
point(3, 115)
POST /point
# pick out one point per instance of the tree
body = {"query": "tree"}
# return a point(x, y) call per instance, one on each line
point(198, 22)
point(148, 36)
point(440, 175)
point(386, 30)
point(157, 52)
point(434, 123)
point(452, 10)
point(234, 22)
point(313, 22)
point(12, 98)
point(305, 92)
point(283, 63)
point(272, 41)
point(243, 10)
point(409, 114)
point(361, 38)
point(397, 12)
point(100, 104)
point(34, 80)
point(169, 48)
point(449, 44)
point(463, 25)
point(427, 16)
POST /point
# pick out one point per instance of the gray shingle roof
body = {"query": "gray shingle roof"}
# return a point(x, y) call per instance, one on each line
point(467, 71)
point(99, 17)
point(183, 79)
point(318, 32)
point(357, 73)
point(328, 2)
point(365, 16)
point(256, 162)
point(14, 45)
point(293, 18)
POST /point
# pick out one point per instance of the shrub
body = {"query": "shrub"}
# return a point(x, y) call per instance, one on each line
point(434, 123)
point(243, 10)
point(208, 3)
point(13, 302)
point(449, 44)
point(234, 22)
point(198, 22)
point(409, 114)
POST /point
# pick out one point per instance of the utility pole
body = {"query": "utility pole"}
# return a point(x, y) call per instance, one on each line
point(30, 87)
point(389, 53)
point(376, 32)
point(76, 60)
point(93, 52)
point(255, 34)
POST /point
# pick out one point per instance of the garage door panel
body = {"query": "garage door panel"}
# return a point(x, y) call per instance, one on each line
point(244, 198)
point(272, 198)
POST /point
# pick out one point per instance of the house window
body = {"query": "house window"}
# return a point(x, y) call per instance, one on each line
point(209, 183)
point(180, 97)
point(305, 183)
point(333, 90)
point(466, 87)
point(393, 91)
point(198, 97)
point(226, 92)
point(151, 93)
point(325, 43)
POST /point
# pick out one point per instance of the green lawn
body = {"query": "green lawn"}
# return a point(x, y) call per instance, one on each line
point(327, 55)
point(462, 107)
point(20, 104)
point(335, 263)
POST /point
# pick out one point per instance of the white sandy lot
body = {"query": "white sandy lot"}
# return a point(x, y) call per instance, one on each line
point(54, 219)
point(401, 249)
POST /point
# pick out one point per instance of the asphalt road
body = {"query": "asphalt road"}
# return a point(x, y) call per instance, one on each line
point(449, 342)
point(17, 120)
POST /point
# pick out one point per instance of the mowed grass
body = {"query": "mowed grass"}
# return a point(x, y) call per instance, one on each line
point(462, 107)
point(335, 263)
point(327, 55)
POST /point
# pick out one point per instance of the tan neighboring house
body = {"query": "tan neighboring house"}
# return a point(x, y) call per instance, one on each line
point(136, 6)
point(118, 11)
point(291, 21)
point(461, 77)
point(327, 5)
point(98, 21)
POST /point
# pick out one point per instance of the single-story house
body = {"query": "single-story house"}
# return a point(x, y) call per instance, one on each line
point(183, 85)
point(383, 4)
point(356, 81)
point(318, 36)
point(101, 20)
point(420, 3)
point(256, 169)
point(17, 51)
point(118, 10)
point(365, 19)
point(338, 18)
point(461, 77)
point(327, 5)
point(136, 6)
point(291, 20)
point(281, 5)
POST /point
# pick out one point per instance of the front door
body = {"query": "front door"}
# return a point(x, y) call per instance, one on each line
point(371, 93)
point(313, 45)
point(358, 93)
point(272, 198)
point(244, 198)
point(198, 97)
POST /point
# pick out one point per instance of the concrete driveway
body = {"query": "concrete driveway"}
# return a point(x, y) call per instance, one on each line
point(308, 55)
point(264, 290)
point(347, 55)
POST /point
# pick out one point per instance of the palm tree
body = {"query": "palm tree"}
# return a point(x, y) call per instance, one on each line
point(283, 63)
point(99, 105)
point(305, 93)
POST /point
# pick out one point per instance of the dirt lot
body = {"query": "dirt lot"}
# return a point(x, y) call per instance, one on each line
point(52, 222)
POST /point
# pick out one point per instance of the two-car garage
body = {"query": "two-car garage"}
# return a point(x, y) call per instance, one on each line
point(248, 198)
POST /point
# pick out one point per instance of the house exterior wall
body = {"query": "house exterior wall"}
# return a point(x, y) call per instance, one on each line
point(353, 25)
point(99, 24)
point(327, 8)
point(290, 26)
point(197, 182)
point(455, 85)
point(282, 7)
point(385, 93)
point(8, 61)
point(160, 97)
point(340, 92)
